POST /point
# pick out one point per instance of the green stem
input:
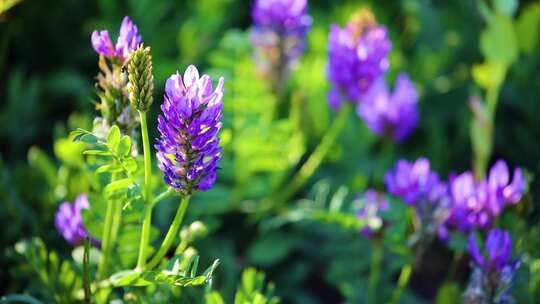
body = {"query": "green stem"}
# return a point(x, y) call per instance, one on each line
point(106, 243)
point(375, 271)
point(147, 221)
point(163, 196)
point(86, 272)
point(403, 281)
point(316, 158)
point(171, 234)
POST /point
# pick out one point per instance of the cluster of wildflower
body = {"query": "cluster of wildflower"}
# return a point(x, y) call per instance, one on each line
point(279, 35)
point(68, 220)
point(188, 149)
point(476, 204)
point(422, 189)
point(493, 271)
point(373, 204)
point(393, 114)
point(357, 64)
point(112, 81)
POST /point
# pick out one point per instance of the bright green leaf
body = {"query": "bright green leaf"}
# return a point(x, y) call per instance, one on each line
point(498, 41)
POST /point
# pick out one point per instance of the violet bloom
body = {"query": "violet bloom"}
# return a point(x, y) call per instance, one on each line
point(373, 204)
point(414, 182)
point(128, 40)
point(357, 56)
point(68, 220)
point(393, 114)
point(188, 148)
point(476, 204)
point(493, 271)
point(280, 29)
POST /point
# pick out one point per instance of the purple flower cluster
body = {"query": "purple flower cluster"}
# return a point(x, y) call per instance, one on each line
point(476, 204)
point(357, 57)
point(390, 114)
point(68, 220)
point(357, 64)
point(493, 271)
point(280, 29)
point(188, 148)
point(373, 204)
point(128, 40)
point(415, 182)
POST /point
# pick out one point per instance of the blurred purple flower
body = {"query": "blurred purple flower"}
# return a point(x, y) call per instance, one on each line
point(476, 204)
point(128, 41)
point(498, 247)
point(414, 182)
point(68, 220)
point(357, 56)
point(280, 30)
point(373, 204)
point(493, 271)
point(188, 148)
point(396, 114)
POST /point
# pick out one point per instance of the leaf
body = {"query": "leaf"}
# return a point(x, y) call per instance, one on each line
point(271, 248)
point(213, 298)
point(118, 186)
point(130, 165)
point(527, 26)
point(498, 42)
point(97, 152)
point(84, 136)
point(489, 75)
point(124, 146)
point(113, 139)
point(146, 278)
point(109, 169)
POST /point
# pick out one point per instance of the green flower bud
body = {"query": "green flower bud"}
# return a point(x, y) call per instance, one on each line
point(141, 79)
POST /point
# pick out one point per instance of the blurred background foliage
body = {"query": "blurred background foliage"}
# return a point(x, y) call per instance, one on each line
point(451, 49)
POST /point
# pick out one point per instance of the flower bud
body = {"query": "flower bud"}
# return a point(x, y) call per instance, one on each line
point(140, 78)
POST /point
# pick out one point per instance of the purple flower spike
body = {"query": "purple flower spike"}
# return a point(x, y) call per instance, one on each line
point(68, 220)
point(279, 35)
point(102, 44)
point(188, 148)
point(128, 41)
point(374, 203)
point(395, 114)
point(357, 56)
point(493, 272)
point(414, 182)
point(498, 247)
point(476, 204)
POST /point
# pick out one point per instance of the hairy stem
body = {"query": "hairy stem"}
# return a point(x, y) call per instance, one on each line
point(106, 243)
point(147, 221)
point(171, 233)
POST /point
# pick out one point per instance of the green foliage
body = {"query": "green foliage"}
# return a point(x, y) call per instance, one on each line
point(175, 276)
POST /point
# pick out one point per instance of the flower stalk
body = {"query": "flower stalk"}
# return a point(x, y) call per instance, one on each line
point(171, 233)
point(316, 158)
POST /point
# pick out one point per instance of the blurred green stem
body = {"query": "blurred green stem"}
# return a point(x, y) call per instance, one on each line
point(377, 254)
point(316, 158)
point(106, 241)
point(147, 221)
point(171, 234)
point(86, 272)
point(403, 281)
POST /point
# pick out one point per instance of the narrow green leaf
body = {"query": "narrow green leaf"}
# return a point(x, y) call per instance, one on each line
point(97, 153)
point(109, 169)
